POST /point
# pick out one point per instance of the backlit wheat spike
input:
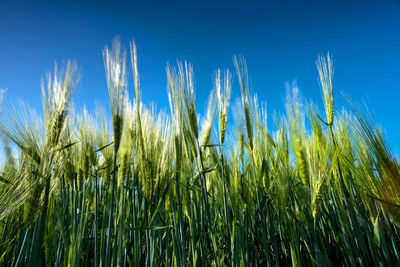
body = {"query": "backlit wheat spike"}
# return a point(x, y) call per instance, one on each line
point(116, 76)
point(379, 159)
point(124, 166)
point(192, 143)
point(248, 126)
point(84, 151)
point(181, 95)
point(56, 102)
point(241, 148)
point(193, 121)
point(318, 189)
point(175, 104)
point(135, 69)
point(266, 178)
point(117, 126)
point(192, 105)
point(296, 127)
point(343, 133)
point(302, 163)
point(208, 121)
point(20, 132)
point(317, 130)
point(241, 70)
point(137, 94)
point(223, 97)
point(325, 71)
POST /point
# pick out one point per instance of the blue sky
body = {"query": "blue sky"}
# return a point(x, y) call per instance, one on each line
point(280, 40)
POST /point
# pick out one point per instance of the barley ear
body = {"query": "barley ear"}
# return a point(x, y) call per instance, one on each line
point(222, 127)
point(317, 196)
point(124, 166)
point(193, 121)
point(241, 70)
point(115, 66)
point(248, 126)
point(117, 127)
point(302, 162)
point(241, 148)
point(223, 102)
point(325, 71)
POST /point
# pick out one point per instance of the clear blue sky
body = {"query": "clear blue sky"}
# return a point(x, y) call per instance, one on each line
point(281, 40)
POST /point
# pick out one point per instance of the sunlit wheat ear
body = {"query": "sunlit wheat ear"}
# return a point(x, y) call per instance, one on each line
point(137, 94)
point(178, 102)
point(189, 95)
point(343, 131)
point(56, 102)
point(181, 92)
point(296, 129)
point(115, 67)
point(124, 166)
point(317, 130)
point(385, 162)
point(325, 71)
point(241, 70)
point(318, 190)
point(191, 143)
point(193, 121)
point(135, 69)
point(241, 147)
point(302, 162)
point(20, 125)
point(117, 126)
point(208, 121)
point(223, 97)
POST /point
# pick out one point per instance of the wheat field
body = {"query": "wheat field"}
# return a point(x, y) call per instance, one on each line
point(149, 188)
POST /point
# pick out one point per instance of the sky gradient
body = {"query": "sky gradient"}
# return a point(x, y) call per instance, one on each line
point(281, 41)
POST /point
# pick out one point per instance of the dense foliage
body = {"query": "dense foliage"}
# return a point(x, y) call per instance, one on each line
point(153, 189)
